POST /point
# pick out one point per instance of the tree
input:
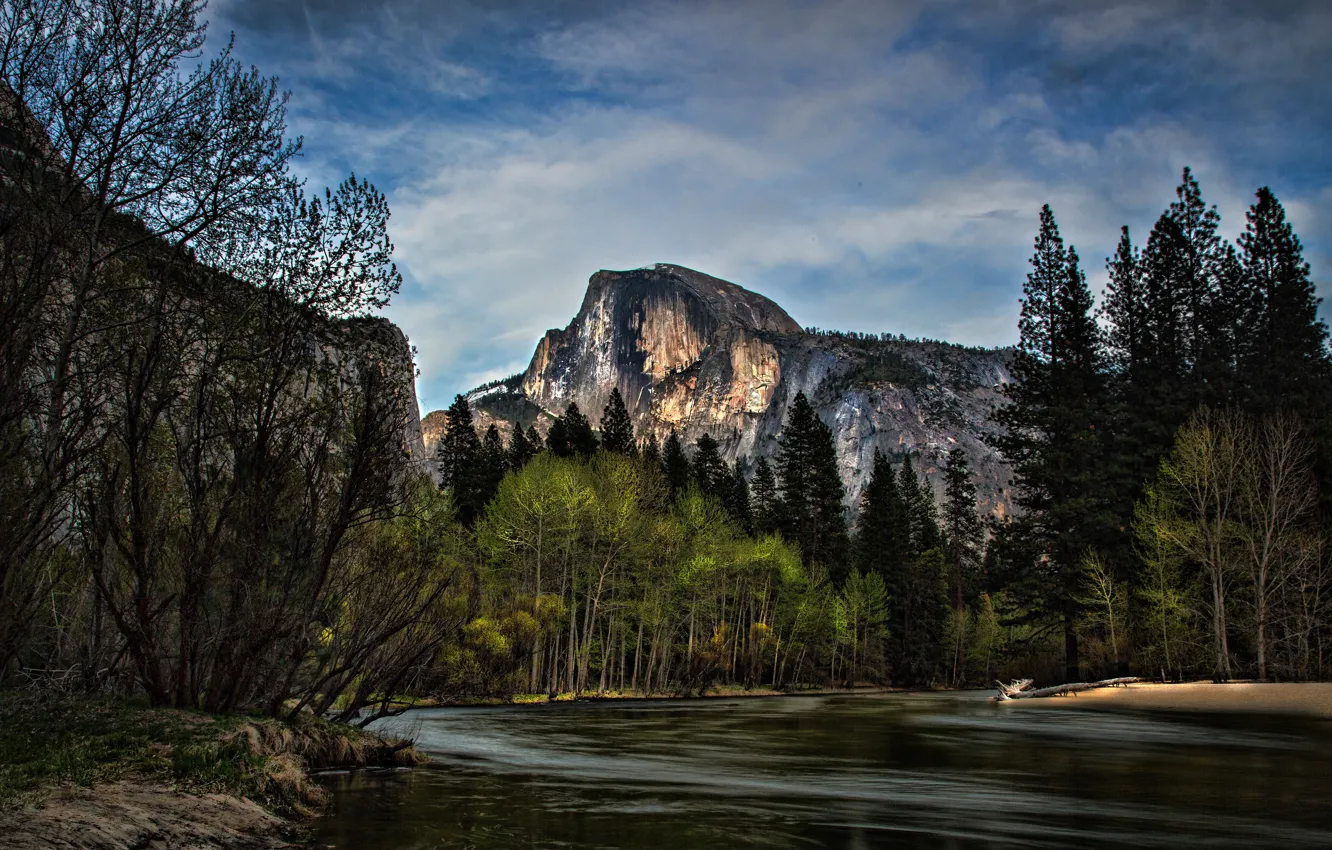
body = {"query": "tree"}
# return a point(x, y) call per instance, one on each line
point(811, 509)
point(459, 457)
point(110, 153)
point(675, 465)
point(1053, 407)
point(765, 499)
point(1197, 507)
point(961, 527)
point(651, 451)
point(1106, 598)
point(882, 542)
point(918, 500)
point(521, 448)
point(494, 462)
point(1283, 359)
point(534, 441)
point(1278, 498)
point(708, 469)
point(571, 434)
point(735, 498)
point(617, 429)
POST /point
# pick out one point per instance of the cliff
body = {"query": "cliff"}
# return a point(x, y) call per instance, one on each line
point(702, 355)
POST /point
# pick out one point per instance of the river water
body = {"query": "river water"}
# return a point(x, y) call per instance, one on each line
point(891, 770)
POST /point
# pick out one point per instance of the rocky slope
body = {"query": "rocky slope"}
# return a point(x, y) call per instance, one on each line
point(701, 355)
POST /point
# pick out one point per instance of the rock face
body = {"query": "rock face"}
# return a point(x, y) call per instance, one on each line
point(700, 355)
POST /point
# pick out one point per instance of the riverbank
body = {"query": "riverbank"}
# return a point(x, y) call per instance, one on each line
point(1303, 699)
point(716, 692)
point(107, 775)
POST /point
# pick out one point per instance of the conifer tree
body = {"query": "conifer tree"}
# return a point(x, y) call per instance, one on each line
point(811, 510)
point(458, 457)
point(1283, 360)
point(736, 499)
point(708, 470)
point(1054, 405)
point(651, 451)
point(764, 500)
point(918, 499)
point(571, 434)
point(674, 465)
point(521, 449)
point(1130, 457)
point(1207, 293)
point(617, 429)
point(961, 529)
point(534, 442)
point(494, 463)
point(882, 537)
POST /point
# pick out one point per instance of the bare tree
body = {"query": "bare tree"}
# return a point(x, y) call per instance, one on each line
point(1278, 495)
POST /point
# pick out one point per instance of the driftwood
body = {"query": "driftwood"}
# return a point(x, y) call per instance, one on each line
point(1008, 692)
point(1016, 686)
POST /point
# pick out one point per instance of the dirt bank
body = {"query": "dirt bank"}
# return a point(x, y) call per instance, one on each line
point(143, 814)
point(1306, 699)
point(101, 774)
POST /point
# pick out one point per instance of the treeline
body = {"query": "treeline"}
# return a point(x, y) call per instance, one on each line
point(612, 563)
point(205, 487)
point(1171, 456)
point(1172, 451)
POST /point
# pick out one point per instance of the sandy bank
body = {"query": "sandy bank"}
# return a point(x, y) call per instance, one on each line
point(1306, 699)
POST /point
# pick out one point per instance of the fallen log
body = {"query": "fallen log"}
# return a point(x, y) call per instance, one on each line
point(1016, 686)
point(1007, 693)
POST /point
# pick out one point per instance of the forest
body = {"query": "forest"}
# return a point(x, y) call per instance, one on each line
point(208, 499)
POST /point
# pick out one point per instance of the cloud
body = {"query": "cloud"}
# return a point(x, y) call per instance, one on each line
point(869, 165)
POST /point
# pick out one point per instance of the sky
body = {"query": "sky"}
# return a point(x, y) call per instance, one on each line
point(870, 165)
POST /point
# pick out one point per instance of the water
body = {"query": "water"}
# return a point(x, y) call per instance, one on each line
point(892, 770)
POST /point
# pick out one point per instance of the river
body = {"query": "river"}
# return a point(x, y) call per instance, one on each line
point(889, 770)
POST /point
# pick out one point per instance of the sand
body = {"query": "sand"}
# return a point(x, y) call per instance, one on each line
point(1306, 699)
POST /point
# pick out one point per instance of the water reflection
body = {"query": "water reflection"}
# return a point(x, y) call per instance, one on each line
point(900, 770)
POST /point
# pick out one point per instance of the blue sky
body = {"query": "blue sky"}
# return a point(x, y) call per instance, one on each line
point(870, 165)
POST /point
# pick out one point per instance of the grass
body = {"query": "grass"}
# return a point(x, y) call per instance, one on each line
point(48, 741)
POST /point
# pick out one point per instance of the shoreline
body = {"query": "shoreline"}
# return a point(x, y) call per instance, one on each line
point(1292, 699)
point(662, 696)
point(108, 775)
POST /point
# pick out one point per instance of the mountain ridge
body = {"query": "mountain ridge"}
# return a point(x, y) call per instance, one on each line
point(698, 354)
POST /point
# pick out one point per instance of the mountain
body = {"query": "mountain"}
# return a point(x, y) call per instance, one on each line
point(703, 355)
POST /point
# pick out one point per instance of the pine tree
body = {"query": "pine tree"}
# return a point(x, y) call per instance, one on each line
point(1131, 431)
point(882, 539)
point(534, 441)
point(764, 500)
point(521, 449)
point(708, 470)
point(459, 460)
point(1283, 361)
point(571, 434)
point(674, 465)
point(961, 529)
point(736, 499)
point(922, 518)
point(494, 463)
point(1054, 405)
point(1206, 295)
point(651, 451)
point(617, 429)
point(811, 510)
